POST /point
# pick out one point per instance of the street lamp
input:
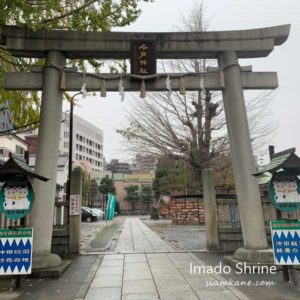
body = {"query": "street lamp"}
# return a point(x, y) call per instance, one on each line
point(71, 145)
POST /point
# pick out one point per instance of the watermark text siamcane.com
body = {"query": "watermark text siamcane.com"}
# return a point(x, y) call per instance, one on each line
point(241, 268)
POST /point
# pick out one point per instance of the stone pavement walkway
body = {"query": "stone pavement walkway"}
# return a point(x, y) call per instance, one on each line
point(158, 273)
point(137, 237)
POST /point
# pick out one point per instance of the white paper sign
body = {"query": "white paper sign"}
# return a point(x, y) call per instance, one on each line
point(74, 205)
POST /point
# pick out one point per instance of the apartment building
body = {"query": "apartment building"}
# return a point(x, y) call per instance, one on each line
point(115, 166)
point(87, 142)
point(145, 163)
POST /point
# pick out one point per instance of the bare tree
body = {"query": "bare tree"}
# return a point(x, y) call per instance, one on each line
point(190, 126)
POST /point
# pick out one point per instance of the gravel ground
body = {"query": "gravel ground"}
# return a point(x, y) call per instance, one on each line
point(100, 236)
point(179, 237)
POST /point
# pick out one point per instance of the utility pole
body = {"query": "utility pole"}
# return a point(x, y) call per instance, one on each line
point(71, 145)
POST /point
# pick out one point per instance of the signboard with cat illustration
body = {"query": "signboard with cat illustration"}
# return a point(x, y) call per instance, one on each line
point(284, 190)
point(16, 197)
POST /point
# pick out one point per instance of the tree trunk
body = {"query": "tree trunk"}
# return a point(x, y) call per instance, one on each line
point(154, 214)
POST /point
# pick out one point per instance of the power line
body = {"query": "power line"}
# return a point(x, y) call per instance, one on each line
point(10, 132)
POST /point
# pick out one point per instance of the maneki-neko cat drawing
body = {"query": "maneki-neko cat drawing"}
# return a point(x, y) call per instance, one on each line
point(286, 191)
point(16, 198)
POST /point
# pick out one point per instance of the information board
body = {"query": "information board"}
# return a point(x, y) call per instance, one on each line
point(286, 242)
point(15, 251)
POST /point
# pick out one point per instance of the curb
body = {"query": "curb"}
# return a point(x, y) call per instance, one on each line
point(81, 293)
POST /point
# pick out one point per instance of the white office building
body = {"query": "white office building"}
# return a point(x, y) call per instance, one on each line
point(87, 142)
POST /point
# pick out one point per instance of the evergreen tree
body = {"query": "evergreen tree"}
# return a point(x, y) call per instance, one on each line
point(107, 186)
point(132, 194)
point(147, 195)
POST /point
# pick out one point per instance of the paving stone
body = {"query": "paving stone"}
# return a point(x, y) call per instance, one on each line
point(109, 271)
point(179, 292)
point(113, 293)
point(148, 296)
point(113, 257)
point(183, 264)
point(137, 266)
point(163, 270)
point(138, 286)
point(107, 281)
point(135, 258)
point(134, 275)
point(140, 238)
point(168, 279)
point(187, 274)
point(216, 295)
point(179, 256)
point(112, 263)
point(152, 256)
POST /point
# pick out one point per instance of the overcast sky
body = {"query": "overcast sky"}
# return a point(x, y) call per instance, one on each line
point(163, 15)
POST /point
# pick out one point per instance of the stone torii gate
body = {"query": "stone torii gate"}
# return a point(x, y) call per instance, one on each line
point(225, 46)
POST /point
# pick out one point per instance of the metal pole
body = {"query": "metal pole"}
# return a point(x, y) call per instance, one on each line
point(70, 145)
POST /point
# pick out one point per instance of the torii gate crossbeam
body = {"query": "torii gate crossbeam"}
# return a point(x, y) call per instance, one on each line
point(33, 81)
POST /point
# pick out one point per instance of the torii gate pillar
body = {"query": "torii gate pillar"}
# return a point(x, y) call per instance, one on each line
point(250, 209)
point(46, 163)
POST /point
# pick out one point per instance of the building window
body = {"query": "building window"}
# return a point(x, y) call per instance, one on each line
point(20, 150)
